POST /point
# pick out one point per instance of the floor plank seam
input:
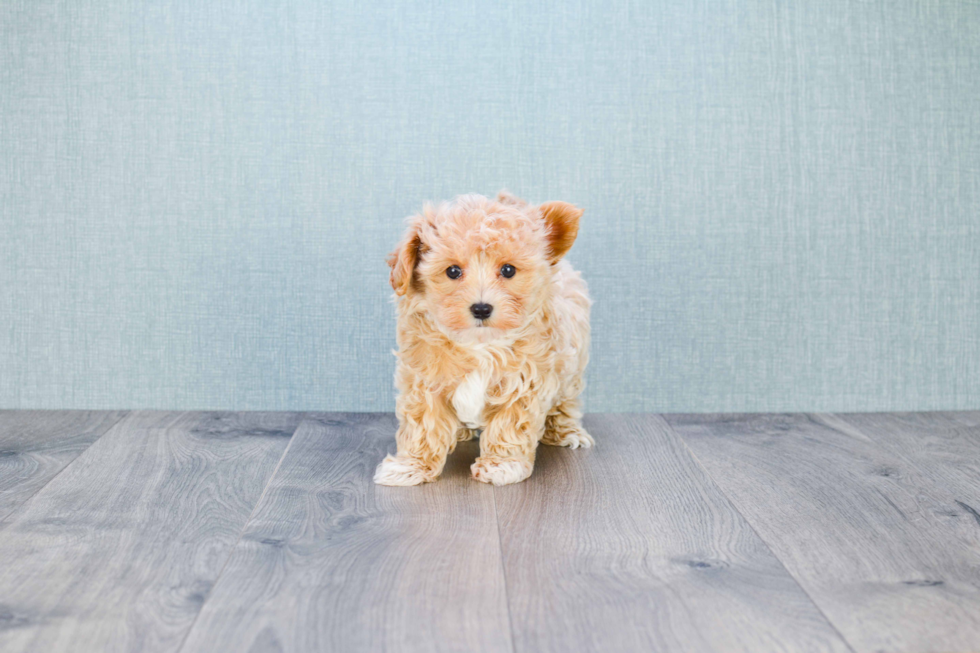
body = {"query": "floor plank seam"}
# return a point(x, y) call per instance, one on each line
point(503, 571)
point(70, 463)
point(738, 510)
point(241, 534)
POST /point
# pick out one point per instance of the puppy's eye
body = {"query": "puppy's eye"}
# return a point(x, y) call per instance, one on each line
point(508, 270)
point(454, 272)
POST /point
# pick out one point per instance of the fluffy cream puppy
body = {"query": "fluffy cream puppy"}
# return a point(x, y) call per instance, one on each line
point(493, 335)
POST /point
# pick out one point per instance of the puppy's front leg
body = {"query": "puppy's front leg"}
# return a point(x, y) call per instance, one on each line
point(426, 434)
point(508, 443)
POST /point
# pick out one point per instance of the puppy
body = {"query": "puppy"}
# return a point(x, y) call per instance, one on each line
point(493, 335)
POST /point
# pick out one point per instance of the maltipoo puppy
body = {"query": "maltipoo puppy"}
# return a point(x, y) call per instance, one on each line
point(493, 335)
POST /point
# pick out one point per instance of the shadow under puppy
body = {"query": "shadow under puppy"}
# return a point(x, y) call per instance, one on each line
point(493, 334)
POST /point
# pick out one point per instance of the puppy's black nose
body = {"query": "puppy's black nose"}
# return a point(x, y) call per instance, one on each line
point(481, 311)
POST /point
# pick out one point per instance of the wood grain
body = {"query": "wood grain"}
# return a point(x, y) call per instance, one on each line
point(37, 444)
point(945, 447)
point(119, 551)
point(630, 547)
point(888, 555)
point(118, 542)
point(332, 562)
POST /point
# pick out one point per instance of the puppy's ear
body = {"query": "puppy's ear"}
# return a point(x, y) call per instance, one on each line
point(506, 197)
point(561, 220)
point(405, 258)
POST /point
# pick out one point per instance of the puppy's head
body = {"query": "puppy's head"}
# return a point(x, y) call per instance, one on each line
point(480, 267)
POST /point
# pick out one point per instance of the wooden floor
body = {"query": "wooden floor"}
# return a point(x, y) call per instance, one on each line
point(204, 532)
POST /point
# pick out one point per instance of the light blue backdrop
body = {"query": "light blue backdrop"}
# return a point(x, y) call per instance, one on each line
point(782, 198)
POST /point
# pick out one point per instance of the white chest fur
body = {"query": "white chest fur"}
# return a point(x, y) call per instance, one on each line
point(470, 398)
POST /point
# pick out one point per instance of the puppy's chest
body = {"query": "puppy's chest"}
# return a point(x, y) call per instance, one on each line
point(470, 398)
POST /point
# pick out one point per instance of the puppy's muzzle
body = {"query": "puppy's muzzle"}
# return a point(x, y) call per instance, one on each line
point(481, 311)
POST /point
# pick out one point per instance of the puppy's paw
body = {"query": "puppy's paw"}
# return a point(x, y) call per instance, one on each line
point(400, 471)
point(577, 438)
point(571, 437)
point(501, 472)
point(465, 434)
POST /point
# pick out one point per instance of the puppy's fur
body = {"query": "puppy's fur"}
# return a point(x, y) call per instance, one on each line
point(517, 375)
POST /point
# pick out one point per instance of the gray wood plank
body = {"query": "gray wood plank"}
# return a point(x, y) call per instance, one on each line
point(37, 444)
point(630, 547)
point(118, 552)
point(332, 562)
point(888, 555)
point(945, 447)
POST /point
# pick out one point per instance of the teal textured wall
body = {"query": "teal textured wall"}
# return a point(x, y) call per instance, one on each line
point(782, 199)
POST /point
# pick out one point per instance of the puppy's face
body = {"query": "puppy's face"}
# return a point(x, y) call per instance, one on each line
point(483, 275)
point(481, 268)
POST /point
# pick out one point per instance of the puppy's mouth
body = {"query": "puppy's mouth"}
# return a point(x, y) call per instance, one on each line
point(483, 327)
point(480, 331)
point(488, 324)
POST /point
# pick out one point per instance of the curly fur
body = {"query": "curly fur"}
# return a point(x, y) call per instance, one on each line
point(516, 376)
